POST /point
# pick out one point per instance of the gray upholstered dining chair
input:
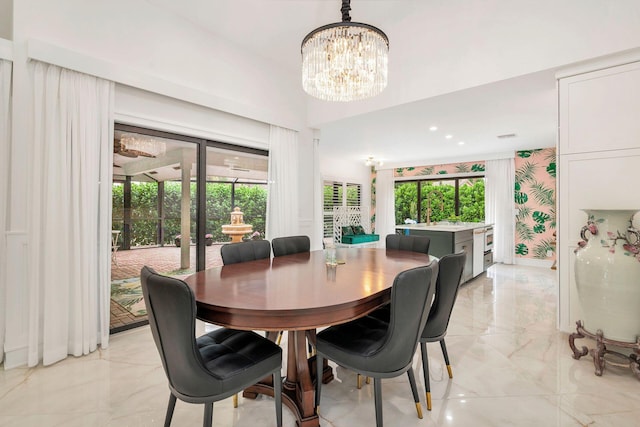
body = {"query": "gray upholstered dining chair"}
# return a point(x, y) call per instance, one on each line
point(290, 245)
point(251, 250)
point(380, 349)
point(213, 366)
point(447, 285)
point(404, 243)
point(408, 243)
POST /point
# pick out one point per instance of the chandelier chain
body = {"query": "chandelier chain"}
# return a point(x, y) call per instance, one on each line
point(346, 7)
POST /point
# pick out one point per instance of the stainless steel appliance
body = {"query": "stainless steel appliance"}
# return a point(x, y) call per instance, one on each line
point(488, 239)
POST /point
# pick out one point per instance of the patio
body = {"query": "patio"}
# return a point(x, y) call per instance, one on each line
point(165, 259)
point(162, 259)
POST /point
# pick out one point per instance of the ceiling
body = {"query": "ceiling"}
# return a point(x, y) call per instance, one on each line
point(524, 107)
point(222, 165)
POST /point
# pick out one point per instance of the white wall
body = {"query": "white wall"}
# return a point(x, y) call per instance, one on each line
point(147, 39)
point(171, 76)
point(488, 41)
point(6, 19)
point(598, 146)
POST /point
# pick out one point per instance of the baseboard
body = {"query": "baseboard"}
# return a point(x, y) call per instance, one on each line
point(533, 262)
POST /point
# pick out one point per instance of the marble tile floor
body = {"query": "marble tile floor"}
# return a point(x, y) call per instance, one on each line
point(511, 367)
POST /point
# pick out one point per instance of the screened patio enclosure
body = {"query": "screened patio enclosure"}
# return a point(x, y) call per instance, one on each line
point(177, 191)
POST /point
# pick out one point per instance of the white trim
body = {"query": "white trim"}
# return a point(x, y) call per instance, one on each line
point(119, 73)
point(176, 127)
point(444, 161)
point(600, 63)
point(438, 176)
point(6, 49)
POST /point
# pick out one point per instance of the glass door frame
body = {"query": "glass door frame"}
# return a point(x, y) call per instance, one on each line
point(201, 176)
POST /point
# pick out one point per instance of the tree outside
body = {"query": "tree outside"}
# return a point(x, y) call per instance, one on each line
point(250, 198)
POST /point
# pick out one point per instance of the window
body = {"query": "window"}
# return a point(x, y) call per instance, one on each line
point(452, 199)
point(338, 194)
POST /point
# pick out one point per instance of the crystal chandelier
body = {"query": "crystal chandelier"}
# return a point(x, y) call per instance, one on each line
point(345, 61)
point(142, 145)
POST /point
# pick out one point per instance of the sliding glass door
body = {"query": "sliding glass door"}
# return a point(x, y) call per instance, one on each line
point(172, 201)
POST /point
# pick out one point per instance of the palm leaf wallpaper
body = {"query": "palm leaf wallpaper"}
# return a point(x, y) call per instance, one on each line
point(535, 199)
point(442, 169)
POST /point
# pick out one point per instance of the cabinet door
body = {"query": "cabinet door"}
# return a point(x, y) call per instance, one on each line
point(467, 247)
point(478, 251)
point(599, 110)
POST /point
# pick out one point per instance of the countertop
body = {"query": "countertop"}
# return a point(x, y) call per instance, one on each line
point(452, 228)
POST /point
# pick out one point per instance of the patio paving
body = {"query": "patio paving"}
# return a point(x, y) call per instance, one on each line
point(164, 260)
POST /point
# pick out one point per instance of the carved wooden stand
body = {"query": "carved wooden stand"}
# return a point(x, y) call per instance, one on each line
point(599, 352)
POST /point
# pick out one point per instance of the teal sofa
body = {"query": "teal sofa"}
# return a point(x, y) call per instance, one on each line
point(354, 234)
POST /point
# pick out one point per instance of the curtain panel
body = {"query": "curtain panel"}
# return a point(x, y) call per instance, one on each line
point(5, 141)
point(499, 207)
point(69, 224)
point(282, 201)
point(385, 203)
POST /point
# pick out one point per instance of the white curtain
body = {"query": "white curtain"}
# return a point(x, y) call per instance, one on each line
point(499, 207)
point(5, 141)
point(282, 202)
point(69, 224)
point(318, 225)
point(385, 204)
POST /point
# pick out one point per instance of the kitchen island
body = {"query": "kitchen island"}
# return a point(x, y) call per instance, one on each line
point(474, 238)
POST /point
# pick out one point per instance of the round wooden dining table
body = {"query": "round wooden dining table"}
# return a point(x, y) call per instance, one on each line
point(299, 293)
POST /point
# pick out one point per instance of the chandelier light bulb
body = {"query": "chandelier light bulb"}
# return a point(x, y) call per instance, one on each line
point(345, 61)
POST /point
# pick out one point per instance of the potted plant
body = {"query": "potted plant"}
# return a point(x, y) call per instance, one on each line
point(208, 239)
point(177, 239)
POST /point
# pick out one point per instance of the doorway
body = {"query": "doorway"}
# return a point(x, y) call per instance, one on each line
point(160, 216)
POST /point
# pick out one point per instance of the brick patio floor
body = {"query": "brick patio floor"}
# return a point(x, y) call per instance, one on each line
point(164, 260)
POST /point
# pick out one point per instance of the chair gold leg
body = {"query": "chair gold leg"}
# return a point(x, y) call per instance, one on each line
point(318, 410)
point(279, 339)
point(368, 380)
point(428, 401)
point(449, 371)
point(235, 400)
point(359, 381)
point(419, 409)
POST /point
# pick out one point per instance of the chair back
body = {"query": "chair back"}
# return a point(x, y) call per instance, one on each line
point(447, 286)
point(290, 245)
point(251, 250)
point(411, 297)
point(171, 307)
point(408, 243)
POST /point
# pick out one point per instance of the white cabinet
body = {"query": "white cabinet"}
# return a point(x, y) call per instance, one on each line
point(478, 251)
point(598, 156)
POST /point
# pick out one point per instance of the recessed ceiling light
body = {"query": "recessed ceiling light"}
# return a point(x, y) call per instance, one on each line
point(448, 136)
point(432, 128)
point(460, 142)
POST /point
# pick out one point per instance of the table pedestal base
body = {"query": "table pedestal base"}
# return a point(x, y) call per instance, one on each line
point(598, 354)
point(298, 390)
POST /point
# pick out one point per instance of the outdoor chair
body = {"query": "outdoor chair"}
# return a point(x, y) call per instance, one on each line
point(213, 366)
point(380, 349)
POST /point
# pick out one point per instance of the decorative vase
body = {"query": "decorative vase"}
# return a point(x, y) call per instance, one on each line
point(607, 272)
